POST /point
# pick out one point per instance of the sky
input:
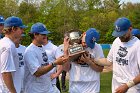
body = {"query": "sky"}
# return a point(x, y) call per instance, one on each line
point(133, 1)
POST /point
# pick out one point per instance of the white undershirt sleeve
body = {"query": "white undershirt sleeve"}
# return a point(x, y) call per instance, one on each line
point(7, 62)
point(31, 61)
point(100, 53)
point(59, 52)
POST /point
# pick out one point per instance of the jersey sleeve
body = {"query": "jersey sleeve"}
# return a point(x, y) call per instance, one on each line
point(31, 61)
point(6, 61)
point(100, 53)
point(59, 52)
point(54, 52)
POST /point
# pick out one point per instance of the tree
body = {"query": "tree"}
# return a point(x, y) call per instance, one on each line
point(132, 12)
point(8, 8)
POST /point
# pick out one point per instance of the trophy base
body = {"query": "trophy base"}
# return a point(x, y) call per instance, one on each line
point(75, 51)
point(75, 57)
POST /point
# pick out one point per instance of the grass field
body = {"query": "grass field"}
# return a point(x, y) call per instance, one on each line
point(106, 78)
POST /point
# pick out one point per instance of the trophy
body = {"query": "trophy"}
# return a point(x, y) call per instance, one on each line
point(75, 48)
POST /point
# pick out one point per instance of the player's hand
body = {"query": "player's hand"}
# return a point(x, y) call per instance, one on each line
point(79, 61)
point(86, 57)
point(122, 89)
point(53, 76)
point(66, 43)
point(61, 60)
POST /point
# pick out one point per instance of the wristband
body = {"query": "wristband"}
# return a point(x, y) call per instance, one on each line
point(130, 83)
point(53, 64)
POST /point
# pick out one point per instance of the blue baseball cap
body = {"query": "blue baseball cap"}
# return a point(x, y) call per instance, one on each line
point(14, 22)
point(39, 28)
point(135, 32)
point(1, 19)
point(121, 27)
point(92, 36)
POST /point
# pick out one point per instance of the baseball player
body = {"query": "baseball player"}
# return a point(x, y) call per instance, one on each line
point(37, 62)
point(50, 49)
point(1, 26)
point(136, 32)
point(124, 55)
point(84, 76)
point(9, 60)
point(20, 72)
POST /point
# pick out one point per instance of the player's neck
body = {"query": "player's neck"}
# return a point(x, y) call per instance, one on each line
point(17, 45)
point(36, 43)
point(45, 43)
point(12, 38)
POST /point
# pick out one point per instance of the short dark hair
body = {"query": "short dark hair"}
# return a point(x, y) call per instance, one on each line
point(32, 35)
point(8, 30)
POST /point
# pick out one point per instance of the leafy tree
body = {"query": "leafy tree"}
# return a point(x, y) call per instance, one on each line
point(132, 12)
point(28, 12)
point(60, 16)
point(8, 8)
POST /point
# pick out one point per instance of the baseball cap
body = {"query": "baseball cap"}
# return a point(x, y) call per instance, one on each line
point(39, 28)
point(135, 32)
point(121, 27)
point(92, 36)
point(14, 21)
point(1, 19)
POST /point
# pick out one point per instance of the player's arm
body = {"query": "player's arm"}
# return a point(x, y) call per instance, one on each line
point(136, 80)
point(7, 66)
point(59, 71)
point(102, 62)
point(123, 88)
point(66, 67)
point(94, 66)
point(90, 61)
point(7, 77)
point(45, 69)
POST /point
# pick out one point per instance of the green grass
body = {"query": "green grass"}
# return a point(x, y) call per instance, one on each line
point(105, 52)
point(105, 80)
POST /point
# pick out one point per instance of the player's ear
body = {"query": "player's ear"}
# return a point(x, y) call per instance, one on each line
point(130, 28)
point(14, 29)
